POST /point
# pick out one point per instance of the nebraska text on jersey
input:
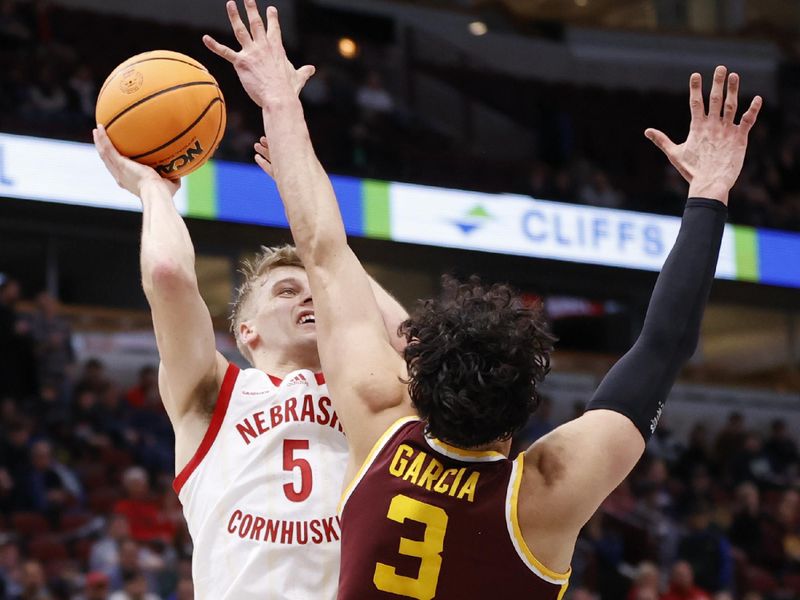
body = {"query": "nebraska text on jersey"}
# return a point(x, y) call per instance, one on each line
point(260, 493)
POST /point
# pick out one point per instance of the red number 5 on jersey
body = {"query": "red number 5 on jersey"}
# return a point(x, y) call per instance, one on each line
point(290, 462)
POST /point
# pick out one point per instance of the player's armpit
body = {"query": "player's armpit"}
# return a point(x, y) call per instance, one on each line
point(567, 475)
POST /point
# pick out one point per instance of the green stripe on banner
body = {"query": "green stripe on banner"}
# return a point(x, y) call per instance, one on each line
point(375, 209)
point(746, 239)
point(201, 192)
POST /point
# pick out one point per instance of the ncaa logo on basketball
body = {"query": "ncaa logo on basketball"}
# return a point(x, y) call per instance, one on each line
point(130, 81)
point(181, 160)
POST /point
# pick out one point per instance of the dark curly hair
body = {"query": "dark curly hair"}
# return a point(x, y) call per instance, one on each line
point(475, 356)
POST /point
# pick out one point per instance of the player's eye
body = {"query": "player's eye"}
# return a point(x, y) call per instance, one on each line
point(287, 292)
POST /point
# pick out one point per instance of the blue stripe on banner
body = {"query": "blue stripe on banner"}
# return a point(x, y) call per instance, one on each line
point(779, 258)
point(245, 194)
point(348, 193)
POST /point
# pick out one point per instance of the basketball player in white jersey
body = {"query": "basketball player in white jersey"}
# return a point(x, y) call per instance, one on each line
point(260, 455)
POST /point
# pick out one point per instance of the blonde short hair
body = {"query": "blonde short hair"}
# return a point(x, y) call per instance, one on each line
point(254, 269)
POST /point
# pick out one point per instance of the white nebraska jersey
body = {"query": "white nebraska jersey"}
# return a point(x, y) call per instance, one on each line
point(260, 493)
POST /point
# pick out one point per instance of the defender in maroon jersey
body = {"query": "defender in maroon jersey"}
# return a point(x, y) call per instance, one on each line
point(450, 527)
point(436, 510)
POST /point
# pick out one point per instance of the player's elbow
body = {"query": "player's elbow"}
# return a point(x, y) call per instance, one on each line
point(167, 276)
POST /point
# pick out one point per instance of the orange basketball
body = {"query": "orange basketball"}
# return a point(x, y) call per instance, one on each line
point(163, 109)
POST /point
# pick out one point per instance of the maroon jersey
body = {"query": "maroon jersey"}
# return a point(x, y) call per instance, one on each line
point(426, 520)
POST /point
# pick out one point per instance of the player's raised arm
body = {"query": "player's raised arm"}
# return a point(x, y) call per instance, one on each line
point(362, 368)
point(191, 368)
point(575, 467)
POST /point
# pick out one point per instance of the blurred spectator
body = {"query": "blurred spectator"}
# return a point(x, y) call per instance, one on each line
point(781, 450)
point(49, 100)
point(18, 367)
point(93, 378)
point(372, 97)
point(135, 560)
point(752, 464)
point(104, 554)
point(96, 587)
point(144, 516)
point(746, 526)
point(696, 453)
point(13, 29)
point(15, 460)
point(53, 341)
point(52, 487)
point(582, 594)
point(539, 183)
point(145, 392)
point(730, 440)
point(697, 492)
point(34, 585)
point(681, 584)
point(706, 550)
point(780, 548)
point(599, 192)
point(671, 198)
point(646, 583)
point(135, 588)
point(609, 552)
point(10, 568)
point(83, 89)
point(184, 591)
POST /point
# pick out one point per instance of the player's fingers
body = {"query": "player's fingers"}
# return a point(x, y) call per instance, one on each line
point(239, 30)
point(274, 28)
point(219, 49)
point(731, 98)
point(104, 146)
point(750, 116)
point(108, 154)
point(715, 98)
point(256, 24)
point(265, 165)
point(305, 73)
point(262, 148)
point(696, 105)
point(660, 139)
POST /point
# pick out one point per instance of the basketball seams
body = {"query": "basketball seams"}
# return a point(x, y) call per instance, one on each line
point(215, 143)
point(138, 62)
point(219, 125)
point(182, 133)
point(155, 94)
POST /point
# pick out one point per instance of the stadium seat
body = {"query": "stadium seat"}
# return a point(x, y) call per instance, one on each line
point(28, 524)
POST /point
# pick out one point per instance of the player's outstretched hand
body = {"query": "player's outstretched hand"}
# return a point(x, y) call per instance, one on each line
point(711, 158)
point(129, 174)
point(261, 64)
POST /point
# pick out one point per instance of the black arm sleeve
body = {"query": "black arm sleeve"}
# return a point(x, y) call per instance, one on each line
point(638, 385)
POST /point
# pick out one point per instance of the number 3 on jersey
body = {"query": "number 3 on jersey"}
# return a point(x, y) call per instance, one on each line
point(292, 462)
point(428, 550)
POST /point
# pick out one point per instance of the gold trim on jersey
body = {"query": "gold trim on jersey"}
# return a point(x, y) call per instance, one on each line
point(373, 453)
point(463, 454)
point(515, 532)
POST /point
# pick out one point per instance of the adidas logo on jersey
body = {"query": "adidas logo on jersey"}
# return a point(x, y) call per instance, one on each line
point(298, 379)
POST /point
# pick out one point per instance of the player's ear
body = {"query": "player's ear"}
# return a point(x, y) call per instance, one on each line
point(247, 333)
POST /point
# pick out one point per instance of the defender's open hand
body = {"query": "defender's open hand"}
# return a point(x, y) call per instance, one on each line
point(261, 64)
point(711, 158)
